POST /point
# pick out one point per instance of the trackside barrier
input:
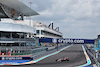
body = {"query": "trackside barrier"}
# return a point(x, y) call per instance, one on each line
point(92, 55)
point(48, 52)
point(27, 60)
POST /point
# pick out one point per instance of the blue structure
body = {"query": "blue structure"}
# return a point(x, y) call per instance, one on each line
point(66, 40)
point(96, 46)
point(99, 44)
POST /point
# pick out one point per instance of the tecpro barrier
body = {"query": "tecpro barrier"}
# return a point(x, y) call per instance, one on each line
point(66, 40)
point(16, 58)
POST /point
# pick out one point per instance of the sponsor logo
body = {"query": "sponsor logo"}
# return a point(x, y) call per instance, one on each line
point(70, 41)
point(11, 58)
point(54, 40)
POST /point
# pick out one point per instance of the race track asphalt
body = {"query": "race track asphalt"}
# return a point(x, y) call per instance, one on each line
point(74, 53)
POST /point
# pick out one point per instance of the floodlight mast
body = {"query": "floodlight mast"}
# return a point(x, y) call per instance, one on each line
point(30, 11)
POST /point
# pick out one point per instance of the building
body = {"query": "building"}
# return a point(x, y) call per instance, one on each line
point(17, 34)
point(14, 37)
point(97, 42)
point(44, 31)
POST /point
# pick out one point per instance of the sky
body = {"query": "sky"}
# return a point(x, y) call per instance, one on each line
point(76, 18)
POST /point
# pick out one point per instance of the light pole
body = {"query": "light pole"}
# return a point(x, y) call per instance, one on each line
point(30, 11)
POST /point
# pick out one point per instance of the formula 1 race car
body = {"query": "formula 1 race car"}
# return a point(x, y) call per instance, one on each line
point(62, 59)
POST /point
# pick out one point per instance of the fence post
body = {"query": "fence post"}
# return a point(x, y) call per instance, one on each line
point(57, 46)
point(96, 54)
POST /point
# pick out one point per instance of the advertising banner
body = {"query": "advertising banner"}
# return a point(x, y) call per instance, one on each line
point(66, 40)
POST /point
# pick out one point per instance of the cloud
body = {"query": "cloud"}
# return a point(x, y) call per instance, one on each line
point(76, 18)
